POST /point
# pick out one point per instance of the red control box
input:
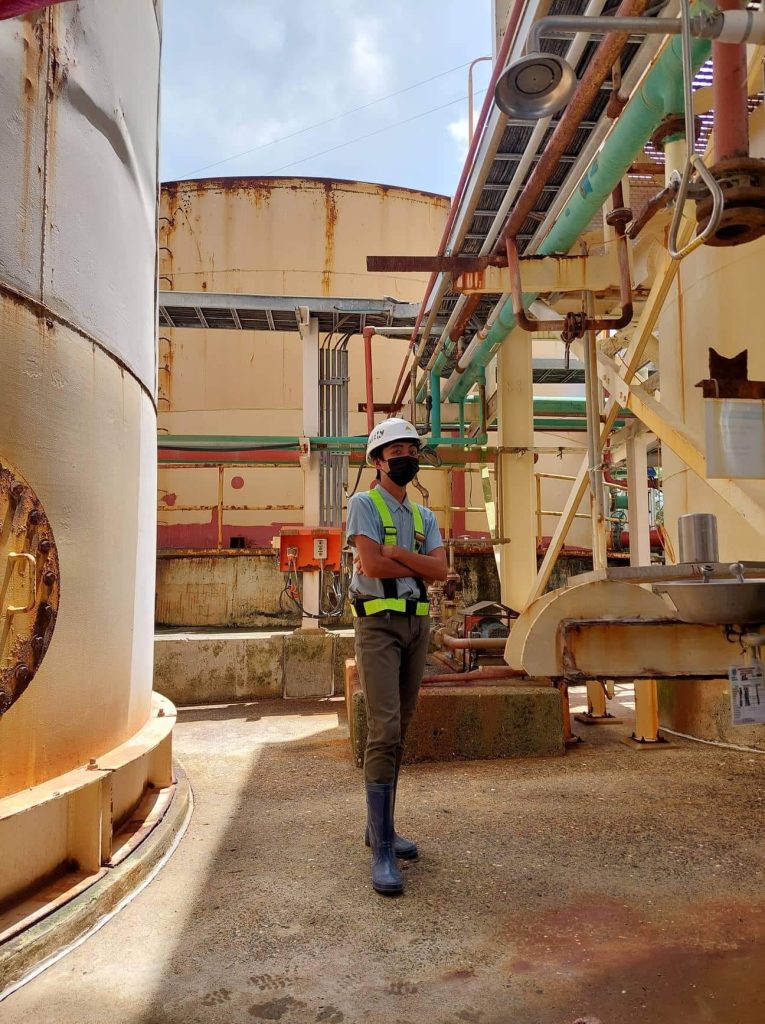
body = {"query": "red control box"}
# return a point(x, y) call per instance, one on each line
point(310, 548)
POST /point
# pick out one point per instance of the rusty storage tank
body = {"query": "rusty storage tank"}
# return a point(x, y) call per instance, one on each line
point(282, 236)
point(82, 741)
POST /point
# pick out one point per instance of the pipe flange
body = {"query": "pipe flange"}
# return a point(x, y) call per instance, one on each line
point(738, 225)
point(742, 196)
point(29, 584)
point(621, 215)
point(742, 180)
point(740, 170)
point(671, 126)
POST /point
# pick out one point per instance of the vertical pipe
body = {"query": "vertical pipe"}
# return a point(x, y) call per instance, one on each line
point(435, 397)
point(462, 417)
point(470, 95)
point(597, 502)
point(220, 507)
point(538, 480)
point(449, 514)
point(729, 94)
point(368, 333)
point(458, 501)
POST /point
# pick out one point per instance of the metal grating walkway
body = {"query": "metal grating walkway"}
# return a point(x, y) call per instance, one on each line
point(280, 312)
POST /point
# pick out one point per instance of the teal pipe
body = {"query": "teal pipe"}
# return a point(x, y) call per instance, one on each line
point(435, 398)
point(660, 95)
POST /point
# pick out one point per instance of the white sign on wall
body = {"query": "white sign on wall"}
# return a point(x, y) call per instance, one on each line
point(747, 694)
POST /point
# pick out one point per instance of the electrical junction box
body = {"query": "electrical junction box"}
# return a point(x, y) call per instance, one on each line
point(310, 548)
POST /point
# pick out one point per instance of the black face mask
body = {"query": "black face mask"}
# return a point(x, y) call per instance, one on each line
point(403, 469)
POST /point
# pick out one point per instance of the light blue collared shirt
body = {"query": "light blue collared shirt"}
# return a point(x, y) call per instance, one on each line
point(364, 518)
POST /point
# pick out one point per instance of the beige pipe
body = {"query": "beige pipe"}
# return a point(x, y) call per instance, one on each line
point(471, 643)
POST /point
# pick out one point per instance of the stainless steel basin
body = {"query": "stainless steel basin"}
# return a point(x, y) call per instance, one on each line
point(718, 602)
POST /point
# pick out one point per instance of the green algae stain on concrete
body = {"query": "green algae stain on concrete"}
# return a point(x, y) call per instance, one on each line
point(476, 723)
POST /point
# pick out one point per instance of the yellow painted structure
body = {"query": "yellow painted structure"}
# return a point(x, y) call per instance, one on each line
point(81, 746)
point(276, 236)
point(302, 237)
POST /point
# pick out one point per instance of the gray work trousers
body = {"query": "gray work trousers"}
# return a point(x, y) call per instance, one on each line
point(390, 654)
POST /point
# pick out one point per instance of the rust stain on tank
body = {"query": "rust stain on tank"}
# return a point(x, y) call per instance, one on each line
point(258, 192)
point(33, 43)
point(165, 373)
point(330, 222)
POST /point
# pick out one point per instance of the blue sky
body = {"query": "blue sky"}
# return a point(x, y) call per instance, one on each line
point(241, 74)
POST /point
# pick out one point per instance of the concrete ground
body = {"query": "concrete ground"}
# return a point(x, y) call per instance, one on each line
point(611, 885)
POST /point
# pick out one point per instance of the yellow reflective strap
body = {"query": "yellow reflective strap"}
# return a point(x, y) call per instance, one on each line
point(385, 604)
point(418, 535)
point(389, 527)
point(423, 608)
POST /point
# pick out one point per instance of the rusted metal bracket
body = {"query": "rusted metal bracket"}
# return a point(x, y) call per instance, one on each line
point(729, 378)
point(573, 325)
point(455, 265)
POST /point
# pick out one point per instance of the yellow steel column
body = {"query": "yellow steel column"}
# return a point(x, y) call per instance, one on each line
point(637, 498)
point(597, 713)
point(516, 492)
point(646, 734)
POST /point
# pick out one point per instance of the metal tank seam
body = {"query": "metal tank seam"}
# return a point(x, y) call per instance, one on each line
point(41, 310)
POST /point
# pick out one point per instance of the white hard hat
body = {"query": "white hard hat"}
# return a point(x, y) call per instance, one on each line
point(390, 431)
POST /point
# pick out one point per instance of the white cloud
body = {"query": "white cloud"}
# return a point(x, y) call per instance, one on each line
point(459, 132)
point(369, 64)
point(239, 76)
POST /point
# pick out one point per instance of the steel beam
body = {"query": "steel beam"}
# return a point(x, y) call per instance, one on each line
point(544, 275)
point(642, 649)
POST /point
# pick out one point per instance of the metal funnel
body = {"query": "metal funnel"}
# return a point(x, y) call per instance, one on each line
point(718, 602)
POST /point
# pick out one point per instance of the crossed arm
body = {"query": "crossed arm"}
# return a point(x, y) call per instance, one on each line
point(383, 562)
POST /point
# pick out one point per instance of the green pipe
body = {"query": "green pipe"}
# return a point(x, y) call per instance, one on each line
point(660, 95)
point(435, 399)
point(236, 442)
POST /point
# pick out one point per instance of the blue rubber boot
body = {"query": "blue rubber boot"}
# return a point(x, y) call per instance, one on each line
point(403, 848)
point(386, 877)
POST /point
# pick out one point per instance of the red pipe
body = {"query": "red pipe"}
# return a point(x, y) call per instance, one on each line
point(13, 8)
point(491, 673)
point(488, 102)
point(729, 94)
point(655, 539)
point(368, 333)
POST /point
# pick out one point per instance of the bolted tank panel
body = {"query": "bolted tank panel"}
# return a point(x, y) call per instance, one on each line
point(78, 108)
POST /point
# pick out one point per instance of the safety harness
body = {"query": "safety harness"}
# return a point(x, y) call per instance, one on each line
point(391, 602)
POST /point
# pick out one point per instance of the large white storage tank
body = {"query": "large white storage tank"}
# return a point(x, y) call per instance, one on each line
point(82, 740)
